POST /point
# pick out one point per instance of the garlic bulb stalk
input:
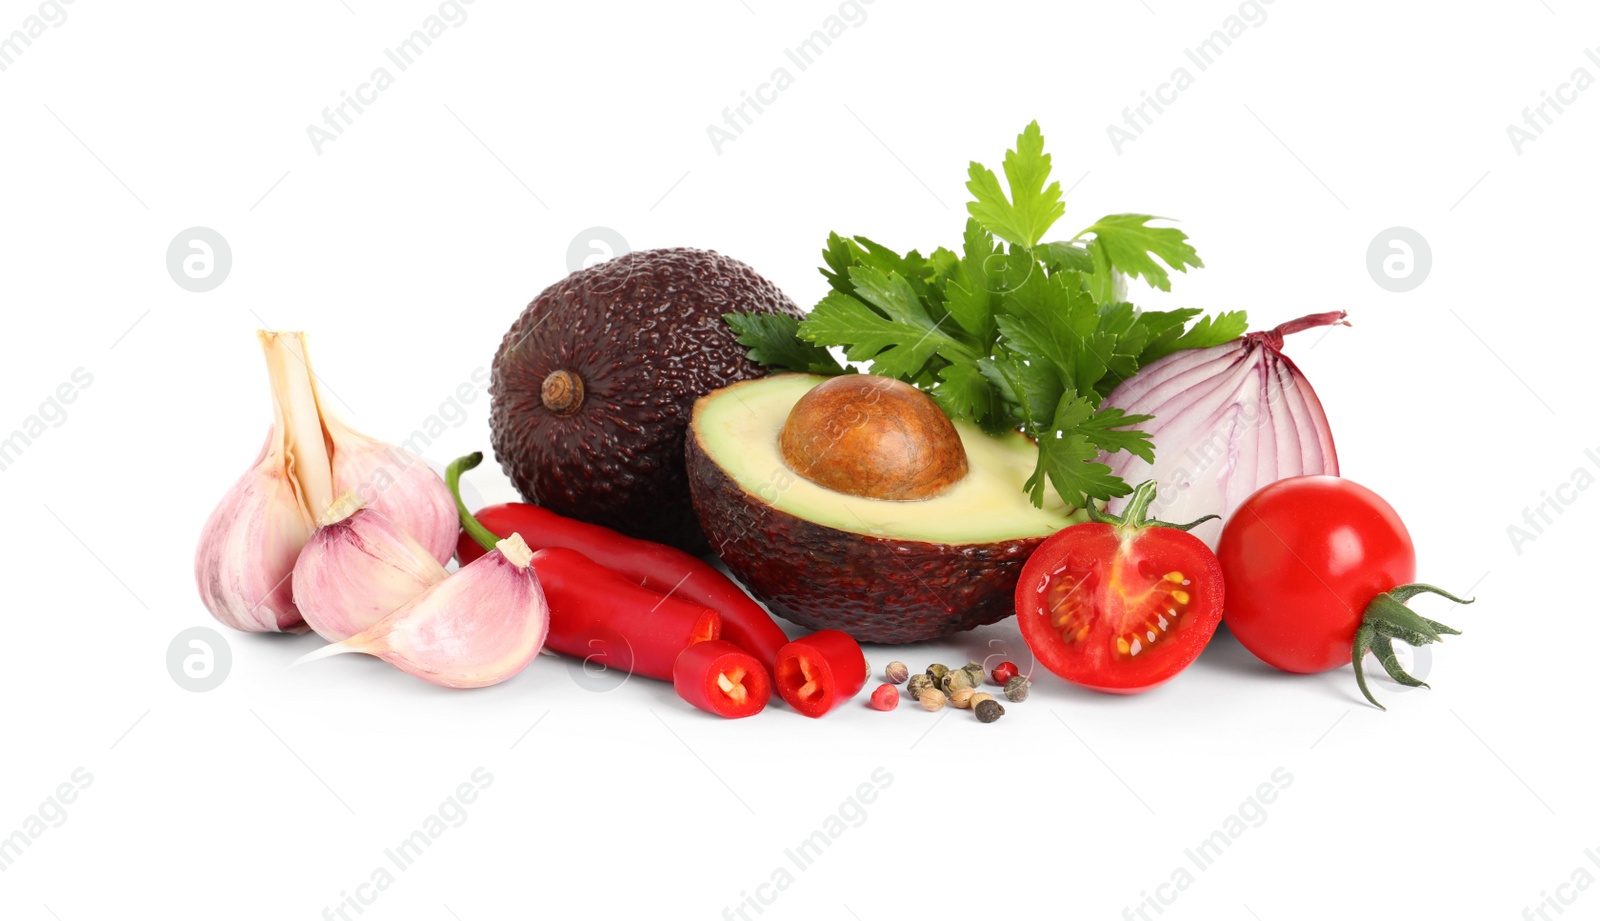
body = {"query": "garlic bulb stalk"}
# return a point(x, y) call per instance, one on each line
point(478, 627)
point(249, 545)
point(358, 567)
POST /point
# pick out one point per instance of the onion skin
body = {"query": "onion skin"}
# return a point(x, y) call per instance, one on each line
point(1229, 420)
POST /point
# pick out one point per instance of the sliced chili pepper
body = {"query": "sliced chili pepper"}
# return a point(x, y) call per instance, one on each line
point(658, 567)
point(600, 616)
point(719, 677)
point(816, 673)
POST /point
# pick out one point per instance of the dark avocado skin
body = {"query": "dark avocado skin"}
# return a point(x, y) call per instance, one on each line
point(878, 590)
point(646, 335)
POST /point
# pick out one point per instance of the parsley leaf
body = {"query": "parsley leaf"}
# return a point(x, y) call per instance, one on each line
point(1033, 206)
point(1049, 320)
point(1068, 452)
point(1206, 332)
point(773, 340)
point(1011, 333)
point(1126, 242)
point(884, 322)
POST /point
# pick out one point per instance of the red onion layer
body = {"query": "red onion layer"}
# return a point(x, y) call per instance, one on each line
point(1228, 420)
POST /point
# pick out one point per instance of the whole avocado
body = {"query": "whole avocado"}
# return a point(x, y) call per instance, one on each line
point(593, 385)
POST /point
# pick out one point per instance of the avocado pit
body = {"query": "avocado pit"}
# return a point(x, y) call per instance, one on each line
point(875, 437)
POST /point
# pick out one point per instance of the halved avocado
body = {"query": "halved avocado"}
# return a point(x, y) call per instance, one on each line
point(884, 571)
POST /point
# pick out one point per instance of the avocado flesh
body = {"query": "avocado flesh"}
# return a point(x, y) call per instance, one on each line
point(740, 433)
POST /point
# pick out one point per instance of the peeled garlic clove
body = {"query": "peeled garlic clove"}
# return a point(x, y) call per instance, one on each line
point(249, 545)
point(478, 627)
point(358, 567)
point(396, 484)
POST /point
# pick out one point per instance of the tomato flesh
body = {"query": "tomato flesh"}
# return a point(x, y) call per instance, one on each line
point(1120, 610)
point(1303, 558)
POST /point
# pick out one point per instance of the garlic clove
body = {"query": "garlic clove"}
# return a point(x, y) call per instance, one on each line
point(248, 549)
point(358, 567)
point(478, 627)
point(396, 484)
point(249, 545)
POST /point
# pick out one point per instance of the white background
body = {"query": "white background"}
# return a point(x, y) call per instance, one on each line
point(409, 245)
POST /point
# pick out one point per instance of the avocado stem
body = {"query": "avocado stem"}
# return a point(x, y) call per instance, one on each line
point(562, 392)
point(452, 478)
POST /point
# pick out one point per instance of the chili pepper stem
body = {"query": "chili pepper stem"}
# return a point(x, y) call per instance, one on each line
point(452, 478)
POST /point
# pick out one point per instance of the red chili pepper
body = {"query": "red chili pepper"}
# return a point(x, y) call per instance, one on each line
point(816, 673)
point(719, 677)
point(600, 616)
point(655, 566)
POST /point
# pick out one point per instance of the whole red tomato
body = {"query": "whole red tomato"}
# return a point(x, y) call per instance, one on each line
point(1318, 570)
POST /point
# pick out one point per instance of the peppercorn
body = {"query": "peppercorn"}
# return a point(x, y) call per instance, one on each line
point(1017, 689)
point(961, 698)
point(1004, 672)
point(989, 711)
point(975, 669)
point(931, 699)
point(979, 697)
point(885, 697)
point(897, 673)
point(918, 683)
point(937, 673)
point(960, 678)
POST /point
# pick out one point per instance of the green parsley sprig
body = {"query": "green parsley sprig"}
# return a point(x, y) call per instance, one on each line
point(1011, 333)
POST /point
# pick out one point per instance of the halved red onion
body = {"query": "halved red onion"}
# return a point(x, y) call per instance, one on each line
point(1228, 420)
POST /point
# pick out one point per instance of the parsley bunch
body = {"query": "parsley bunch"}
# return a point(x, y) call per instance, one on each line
point(1011, 333)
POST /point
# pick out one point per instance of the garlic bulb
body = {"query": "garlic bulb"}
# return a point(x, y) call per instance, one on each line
point(358, 567)
point(249, 545)
point(478, 627)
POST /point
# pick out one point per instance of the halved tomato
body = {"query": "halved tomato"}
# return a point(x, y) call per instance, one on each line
point(1120, 604)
